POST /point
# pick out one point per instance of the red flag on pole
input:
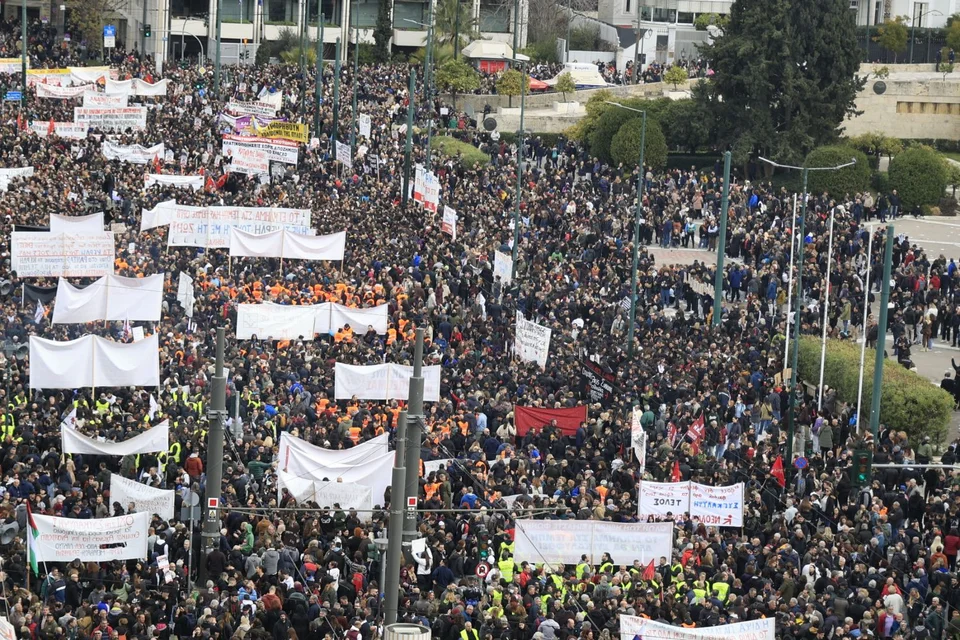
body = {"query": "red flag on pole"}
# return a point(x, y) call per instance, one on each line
point(675, 475)
point(695, 433)
point(51, 127)
point(649, 572)
point(157, 166)
point(20, 122)
point(210, 185)
point(777, 471)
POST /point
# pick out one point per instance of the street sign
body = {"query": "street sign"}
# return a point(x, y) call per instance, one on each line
point(800, 463)
point(482, 570)
point(212, 503)
point(13, 96)
point(109, 36)
point(411, 502)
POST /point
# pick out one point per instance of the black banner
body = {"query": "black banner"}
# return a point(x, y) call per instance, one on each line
point(43, 295)
point(597, 384)
point(29, 227)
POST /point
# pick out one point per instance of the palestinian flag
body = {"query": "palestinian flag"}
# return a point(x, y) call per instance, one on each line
point(32, 535)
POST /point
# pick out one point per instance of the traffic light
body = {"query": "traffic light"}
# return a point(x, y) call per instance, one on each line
point(862, 468)
point(147, 31)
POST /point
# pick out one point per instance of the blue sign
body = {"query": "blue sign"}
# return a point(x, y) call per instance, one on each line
point(109, 31)
point(801, 463)
point(13, 96)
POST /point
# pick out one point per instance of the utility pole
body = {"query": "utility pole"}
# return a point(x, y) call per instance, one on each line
point(408, 147)
point(516, 205)
point(23, 59)
point(303, 62)
point(318, 90)
point(356, 77)
point(398, 499)
point(427, 79)
point(516, 29)
point(216, 417)
point(143, 31)
point(798, 306)
point(216, 57)
point(336, 97)
point(722, 242)
point(881, 335)
point(456, 34)
point(414, 435)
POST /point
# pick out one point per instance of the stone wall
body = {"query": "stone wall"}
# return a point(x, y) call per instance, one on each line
point(913, 105)
point(540, 100)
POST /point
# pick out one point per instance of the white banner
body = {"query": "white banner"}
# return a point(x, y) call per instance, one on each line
point(210, 226)
point(565, 541)
point(105, 100)
point(449, 224)
point(276, 149)
point(144, 88)
point(365, 125)
point(185, 294)
point(633, 626)
point(84, 225)
point(6, 175)
point(664, 498)
point(638, 440)
point(374, 473)
point(133, 153)
point(112, 297)
point(249, 160)
point(92, 361)
point(717, 506)
point(68, 130)
point(63, 93)
point(364, 452)
point(358, 319)
point(70, 255)
point(532, 341)
point(383, 382)
point(419, 174)
point(96, 75)
point(286, 244)
point(344, 155)
point(111, 119)
point(290, 322)
point(328, 493)
point(118, 87)
point(431, 192)
point(262, 109)
point(145, 499)
point(432, 466)
point(93, 540)
point(503, 267)
point(193, 182)
point(153, 440)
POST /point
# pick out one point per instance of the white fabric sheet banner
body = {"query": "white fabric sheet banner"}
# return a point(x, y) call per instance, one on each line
point(118, 87)
point(638, 440)
point(431, 192)
point(662, 498)
point(419, 176)
point(153, 440)
point(112, 297)
point(364, 452)
point(262, 108)
point(193, 182)
point(717, 506)
point(344, 155)
point(96, 75)
point(564, 541)
point(449, 224)
point(132, 153)
point(532, 341)
point(633, 626)
point(63, 93)
point(67, 130)
point(185, 293)
point(111, 119)
point(93, 540)
point(6, 175)
point(144, 88)
point(276, 149)
point(92, 361)
point(374, 473)
point(287, 244)
point(145, 499)
point(111, 101)
point(84, 225)
point(290, 322)
point(365, 125)
point(432, 466)
point(503, 267)
point(327, 494)
point(358, 319)
point(210, 227)
point(383, 382)
point(54, 255)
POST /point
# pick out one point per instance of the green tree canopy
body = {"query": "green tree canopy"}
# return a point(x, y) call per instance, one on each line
point(849, 180)
point(919, 175)
point(565, 84)
point(383, 31)
point(445, 25)
point(456, 76)
point(511, 83)
point(892, 35)
point(785, 77)
point(676, 75)
point(625, 146)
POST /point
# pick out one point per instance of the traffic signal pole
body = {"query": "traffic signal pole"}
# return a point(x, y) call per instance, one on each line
point(881, 335)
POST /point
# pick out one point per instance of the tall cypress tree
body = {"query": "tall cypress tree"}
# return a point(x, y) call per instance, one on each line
point(785, 77)
point(383, 31)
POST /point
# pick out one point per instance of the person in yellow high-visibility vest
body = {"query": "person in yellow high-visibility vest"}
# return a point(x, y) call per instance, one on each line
point(469, 633)
point(507, 566)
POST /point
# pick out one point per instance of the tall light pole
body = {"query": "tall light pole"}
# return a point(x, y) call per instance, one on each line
point(636, 229)
point(318, 90)
point(516, 29)
point(520, 143)
point(791, 407)
point(881, 335)
point(408, 146)
point(913, 28)
point(721, 245)
point(336, 97)
point(216, 57)
point(356, 76)
point(427, 75)
point(23, 59)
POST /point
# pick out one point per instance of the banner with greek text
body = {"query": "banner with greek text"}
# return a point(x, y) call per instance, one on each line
point(132, 153)
point(92, 223)
point(503, 267)
point(144, 499)
point(664, 499)
point(419, 175)
point(94, 540)
point(431, 191)
point(193, 182)
point(717, 506)
point(276, 150)
point(294, 131)
point(107, 119)
point(36, 255)
point(210, 226)
point(365, 125)
point(635, 626)
point(6, 175)
point(264, 109)
point(566, 541)
point(63, 93)
point(532, 341)
point(106, 100)
point(68, 130)
point(344, 155)
point(13, 65)
point(383, 382)
point(449, 224)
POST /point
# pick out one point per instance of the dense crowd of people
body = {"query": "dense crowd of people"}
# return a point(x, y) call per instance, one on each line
point(823, 558)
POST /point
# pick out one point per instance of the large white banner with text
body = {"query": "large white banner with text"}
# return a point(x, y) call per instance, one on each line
point(565, 541)
point(532, 341)
point(274, 149)
point(107, 119)
point(93, 540)
point(663, 498)
point(92, 361)
point(63, 93)
point(145, 499)
point(717, 506)
point(383, 382)
point(52, 255)
point(633, 626)
point(133, 153)
point(210, 227)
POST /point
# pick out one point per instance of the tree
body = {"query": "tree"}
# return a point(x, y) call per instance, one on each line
point(705, 20)
point(676, 75)
point(456, 76)
point(892, 35)
point(511, 84)
point(445, 29)
point(849, 180)
point(685, 125)
point(625, 146)
point(946, 69)
point(383, 32)
point(90, 16)
point(919, 175)
point(292, 56)
point(785, 77)
point(565, 84)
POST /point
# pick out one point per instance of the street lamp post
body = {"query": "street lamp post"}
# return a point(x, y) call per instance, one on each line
point(318, 90)
point(336, 97)
point(408, 146)
point(913, 29)
point(356, 78)
point(520, 143)
point(791, 407)
point(216, 57)
point(721, 245)
point(636, 228)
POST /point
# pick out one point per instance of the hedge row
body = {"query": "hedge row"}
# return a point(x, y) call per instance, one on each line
point(468, 154)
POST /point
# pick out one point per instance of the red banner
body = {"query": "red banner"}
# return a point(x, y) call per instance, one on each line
point(568, 420)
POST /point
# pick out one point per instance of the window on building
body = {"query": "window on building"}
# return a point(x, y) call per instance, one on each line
point(403, 11)
point(365, 13)
point(495, 17)
point(189, 8)
point(646, 13)
point(661, 14)
point(627, 7)
point(684, 17)
point(330, 8)
point(238, 12)
point(282, 12)
point(919, 19)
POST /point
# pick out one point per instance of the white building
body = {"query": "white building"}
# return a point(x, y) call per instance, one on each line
point(926, 14)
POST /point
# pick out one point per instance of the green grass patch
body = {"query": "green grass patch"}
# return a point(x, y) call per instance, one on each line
point(467, 154)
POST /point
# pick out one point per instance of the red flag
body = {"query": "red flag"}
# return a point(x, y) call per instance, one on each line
point(51, 127)
point(222, 180)
point(20, 123)
point(201, 172)
point(157, 166)
point(696, 430)
point(675, 475)
point(777, 471)
point(210, 185)
point(649, 572)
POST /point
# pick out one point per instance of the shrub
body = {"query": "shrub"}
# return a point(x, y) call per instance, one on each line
point(625, 146)
point(837, 183)
point(919, 175)
point(467, 154)
point(909, 402)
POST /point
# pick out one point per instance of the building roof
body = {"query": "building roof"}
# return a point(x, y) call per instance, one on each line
point(490, 50)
